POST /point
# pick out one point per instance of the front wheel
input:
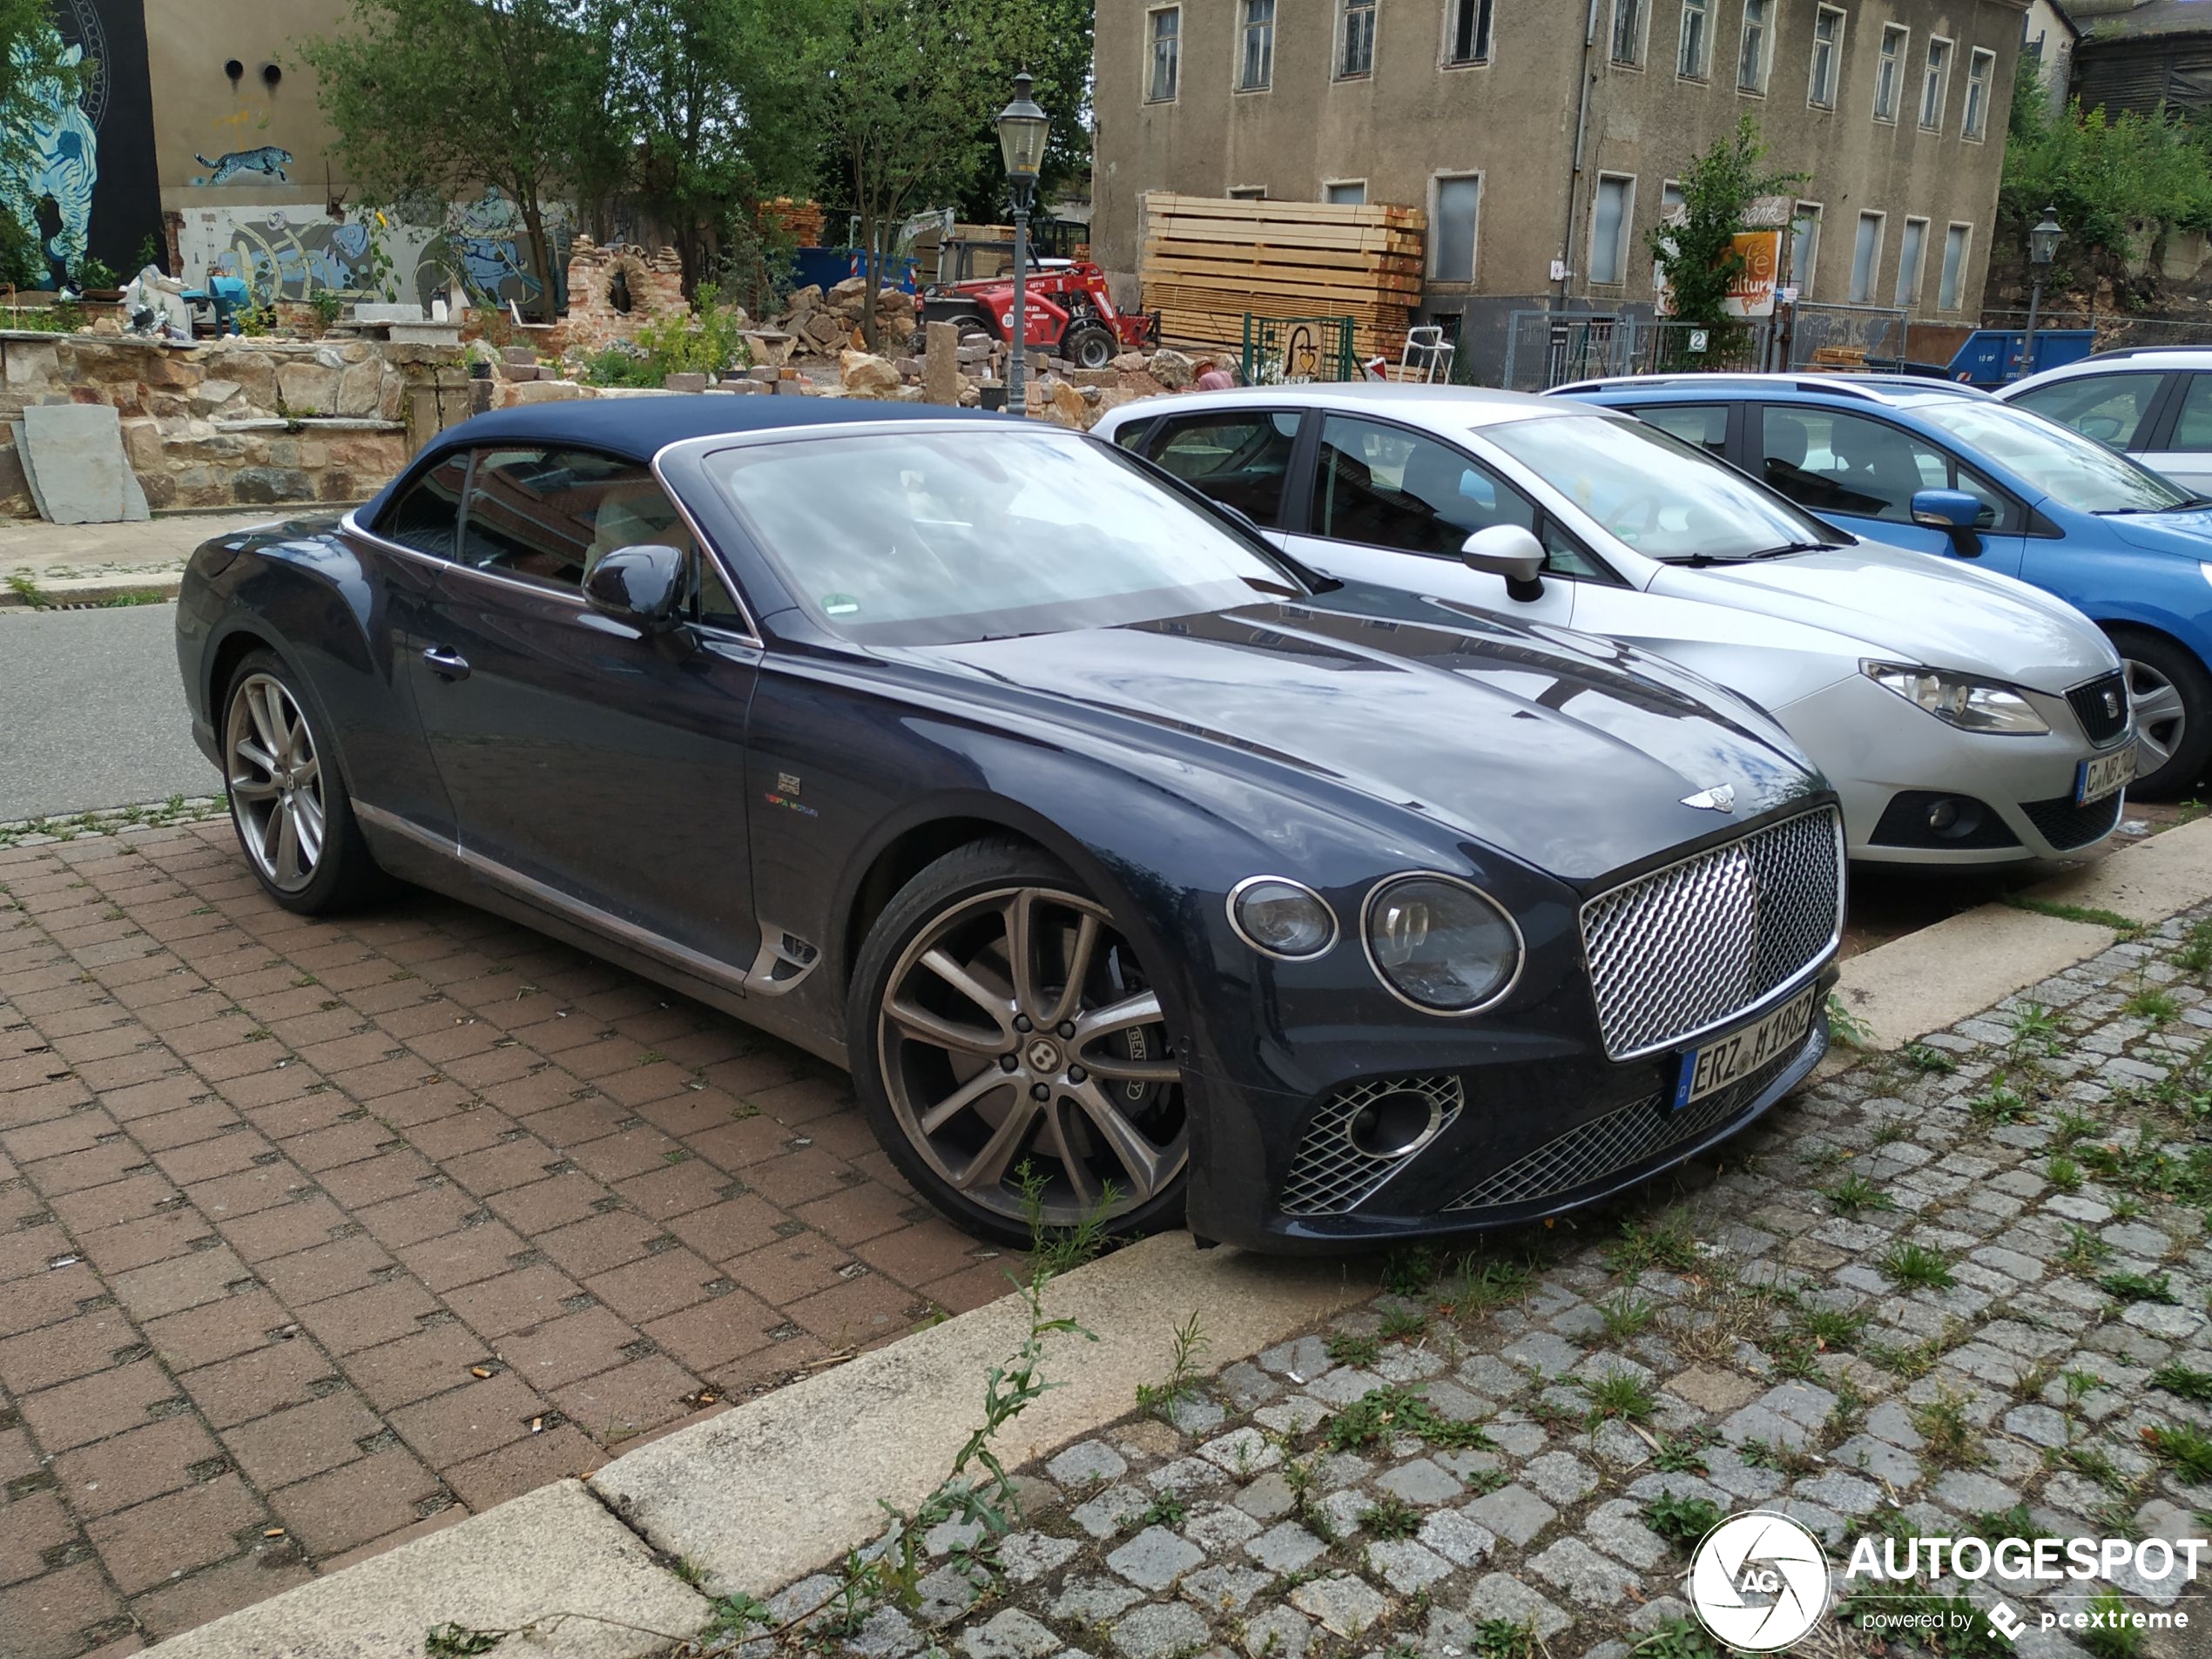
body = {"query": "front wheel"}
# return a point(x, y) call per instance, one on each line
point(2171, 696)
point(1090, 347)
point(288, 804)
point(1012, 1055)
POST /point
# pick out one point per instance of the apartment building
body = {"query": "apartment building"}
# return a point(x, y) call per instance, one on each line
point(1545, 137)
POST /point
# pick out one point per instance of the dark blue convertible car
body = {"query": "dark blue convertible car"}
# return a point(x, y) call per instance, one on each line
point(1114, 856)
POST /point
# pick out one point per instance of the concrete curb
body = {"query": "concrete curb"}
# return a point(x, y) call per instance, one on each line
point(74, 593)
point(764, 1493)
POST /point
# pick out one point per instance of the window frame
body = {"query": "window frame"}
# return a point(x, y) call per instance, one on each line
point(1242, 56)
point(1152, 41)
point(1246, 192)
point(1345, 11)
point(1765, 68)
point(1935, 75)
point(1702, 70)
point(1903, 300)
point(383, 534)
point(1328, 185)
point(1486, 33)
point(1966, 259)
point(1667, 187)
point(1620, 276)
point(1889, 70)
point(1153, 435)
point(1638, 13)
point(1436, 180)
point(1801, 280)
point(1881, 219)
point(1834, 48)
point(1974, 120)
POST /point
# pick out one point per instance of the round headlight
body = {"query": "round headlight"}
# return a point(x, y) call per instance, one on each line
point(1439, 944)
point(1281, 918)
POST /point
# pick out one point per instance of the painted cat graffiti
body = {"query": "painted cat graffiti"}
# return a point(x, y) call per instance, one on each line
point(62, 166)
point(268, 161)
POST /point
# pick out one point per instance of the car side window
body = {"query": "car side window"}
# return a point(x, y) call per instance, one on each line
point(547, 516)
point(426, 516)
point(2192, 431)
point(1699, 424)
point(1832, 461)
point(1239, 459)
point(2108, 407)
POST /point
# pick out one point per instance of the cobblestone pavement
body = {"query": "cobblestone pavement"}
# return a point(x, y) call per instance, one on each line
point(1962, 1290)
point(314, 1234)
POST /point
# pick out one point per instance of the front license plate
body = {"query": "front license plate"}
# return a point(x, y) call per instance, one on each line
point(2095, 778)
point(1725, 1060)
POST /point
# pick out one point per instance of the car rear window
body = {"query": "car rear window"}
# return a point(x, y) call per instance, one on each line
point(428, 510)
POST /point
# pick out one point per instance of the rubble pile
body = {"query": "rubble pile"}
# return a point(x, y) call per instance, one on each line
point(828, 324)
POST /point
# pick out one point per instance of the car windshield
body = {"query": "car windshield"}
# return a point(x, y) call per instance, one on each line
point(1666, 499)
point(922, 537)
point(2077, 471)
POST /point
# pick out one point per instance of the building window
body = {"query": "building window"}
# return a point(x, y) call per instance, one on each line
point(1934, 82)
point(1670, 201)
point(1470, 41)
point(1248, 192)
point(1827, 53)
point(1628, 31)
point(1979, 68)
point(1355, 57)
point(1167, 53)
point(1689, 60)
point(1609, 217)
point(1451, 227)
point(1956, 242)
point(1865, 258)
point(1346, 192)
point(1890, 69)
point(1750, 58)
point(1257, 69)
point(1804, 246)
point(1908, 262)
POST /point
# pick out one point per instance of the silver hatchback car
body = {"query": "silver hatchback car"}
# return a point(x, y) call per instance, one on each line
point(2153, 403)
point(1966, 718)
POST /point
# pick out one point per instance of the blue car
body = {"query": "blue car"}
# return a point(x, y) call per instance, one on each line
point(1949, 470)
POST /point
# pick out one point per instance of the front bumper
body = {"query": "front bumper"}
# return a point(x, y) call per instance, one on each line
point(1877, 748)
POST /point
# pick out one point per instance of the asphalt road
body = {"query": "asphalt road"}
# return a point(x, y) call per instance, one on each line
point(91, 714)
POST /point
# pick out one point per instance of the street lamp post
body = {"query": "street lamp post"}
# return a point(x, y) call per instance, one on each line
point(2042, 247)
point(1022, 127)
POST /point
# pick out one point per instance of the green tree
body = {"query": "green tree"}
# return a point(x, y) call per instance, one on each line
point(1698, 257)
point(1055, 39)
point(2104, 173)
point(441, 97)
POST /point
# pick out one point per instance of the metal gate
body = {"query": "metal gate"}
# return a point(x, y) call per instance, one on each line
point(1288, 350)
point(1548, 349)
point(1843, 336)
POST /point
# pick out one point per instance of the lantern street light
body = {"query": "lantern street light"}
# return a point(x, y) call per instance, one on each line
point(2042, 247)
point(1022, 127)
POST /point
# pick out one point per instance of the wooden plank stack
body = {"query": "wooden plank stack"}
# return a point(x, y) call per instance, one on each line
point(1209, 259)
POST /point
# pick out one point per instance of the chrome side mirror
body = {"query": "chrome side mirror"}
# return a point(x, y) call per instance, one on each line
point(1510, 551)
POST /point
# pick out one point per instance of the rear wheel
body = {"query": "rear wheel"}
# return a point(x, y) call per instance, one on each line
point(2171, 696)
point(1009, 1050)
point(288, 802)
point(1090, 346)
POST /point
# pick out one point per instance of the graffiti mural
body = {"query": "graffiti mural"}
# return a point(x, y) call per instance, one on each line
point(53, 196)
point(265, 161)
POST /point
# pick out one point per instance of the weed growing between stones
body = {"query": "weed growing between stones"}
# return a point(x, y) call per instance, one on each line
point(1160, 1400)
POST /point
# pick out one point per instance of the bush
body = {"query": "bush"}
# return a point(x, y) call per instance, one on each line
point(708, 339)
point(2102, 172)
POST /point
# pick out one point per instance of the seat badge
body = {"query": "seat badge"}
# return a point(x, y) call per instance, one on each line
point(1721, 798)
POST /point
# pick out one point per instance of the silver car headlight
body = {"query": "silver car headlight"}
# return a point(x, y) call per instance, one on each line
point(1969, 704)
point(1439, 944)
point(1280, 917)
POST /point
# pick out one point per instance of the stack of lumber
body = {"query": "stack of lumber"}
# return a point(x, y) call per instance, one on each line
point(802, 221)
point(1209, 259)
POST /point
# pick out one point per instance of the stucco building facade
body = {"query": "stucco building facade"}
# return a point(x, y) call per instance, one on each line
point(1543, 135)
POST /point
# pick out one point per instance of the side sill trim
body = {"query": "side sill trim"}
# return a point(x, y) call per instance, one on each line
point(628, 934)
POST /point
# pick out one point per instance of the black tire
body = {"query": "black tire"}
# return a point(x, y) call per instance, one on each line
point(961, 908)
point(298, 780)
point(1090, 346)
point(969, 322)
point(2170, 681)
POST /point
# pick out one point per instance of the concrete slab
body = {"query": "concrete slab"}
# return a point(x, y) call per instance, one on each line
point(1942, 975)
point(556, 1550)
point(770, 1491)
point(75, 451)
point(2146, 882)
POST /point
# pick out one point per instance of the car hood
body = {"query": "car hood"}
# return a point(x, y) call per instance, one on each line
point(2187, 533)
point(1914, 608)
point(1543, 744)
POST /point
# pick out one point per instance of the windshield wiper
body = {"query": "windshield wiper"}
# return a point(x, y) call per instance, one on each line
point(1787, 548)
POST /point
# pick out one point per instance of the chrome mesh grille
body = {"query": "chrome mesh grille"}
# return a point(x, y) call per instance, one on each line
point(1331, 1174)
point(1620, 1140)
point(1685, 947)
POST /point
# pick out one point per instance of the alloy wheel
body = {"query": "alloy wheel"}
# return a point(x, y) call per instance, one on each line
point(2162, 718)
point(1022, 1047)
point(275, 782)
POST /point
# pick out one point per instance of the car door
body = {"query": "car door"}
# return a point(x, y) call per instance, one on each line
point(1393, 506)
point(606, 768)
point(2181, 445)
point(1861, 471)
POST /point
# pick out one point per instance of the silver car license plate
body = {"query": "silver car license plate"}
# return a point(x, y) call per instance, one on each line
point(1726, 1060)
point(2099, 775)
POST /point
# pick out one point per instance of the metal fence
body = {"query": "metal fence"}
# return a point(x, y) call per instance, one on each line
point(2114, 329)
point(1284, 350)
point(1847, 335)
point(1546, 348)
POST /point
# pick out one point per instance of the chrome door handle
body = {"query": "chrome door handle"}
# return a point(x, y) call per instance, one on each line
point(448, 664)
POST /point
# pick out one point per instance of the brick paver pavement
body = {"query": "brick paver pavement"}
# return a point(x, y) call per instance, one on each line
point(316, 1235)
